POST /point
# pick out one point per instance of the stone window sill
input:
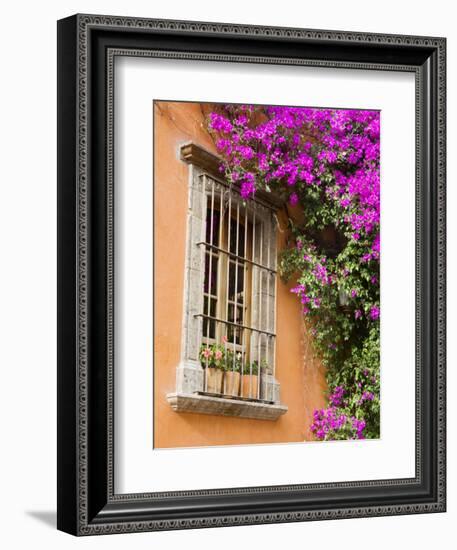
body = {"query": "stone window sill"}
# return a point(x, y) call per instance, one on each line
point(221, 406)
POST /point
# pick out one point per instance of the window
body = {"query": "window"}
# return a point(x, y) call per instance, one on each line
point(239, 284)
point(229, 299)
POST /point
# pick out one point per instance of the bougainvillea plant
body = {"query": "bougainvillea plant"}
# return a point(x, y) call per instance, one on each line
point(325, 164)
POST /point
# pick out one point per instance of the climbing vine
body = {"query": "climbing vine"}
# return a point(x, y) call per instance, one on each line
point(324, 163)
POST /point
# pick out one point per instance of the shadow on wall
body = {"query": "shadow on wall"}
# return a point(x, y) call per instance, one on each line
point(48, 517)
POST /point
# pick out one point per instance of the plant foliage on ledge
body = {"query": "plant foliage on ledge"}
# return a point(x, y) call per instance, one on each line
point(220, 356)
point(325, 164)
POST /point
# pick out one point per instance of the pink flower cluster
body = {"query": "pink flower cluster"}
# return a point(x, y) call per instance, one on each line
point(326, 421)
point(306, 299)
point(337, 150)
point(334, 423)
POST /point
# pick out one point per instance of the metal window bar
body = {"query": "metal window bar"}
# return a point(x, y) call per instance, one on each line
point(245, 277)
point(270, 309)
point(202, 262)
point(238, 325)
point(216, 249)
point(229, 226)
point(208, 322)
point(259, 344)
point(267, 339)
point(233, 255)
point(275, 293)
point(241, 326)
point(253, 258)
point(236, 191)
point(235, 289)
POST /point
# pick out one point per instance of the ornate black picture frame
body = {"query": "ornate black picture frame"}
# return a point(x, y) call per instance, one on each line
point(87, 502)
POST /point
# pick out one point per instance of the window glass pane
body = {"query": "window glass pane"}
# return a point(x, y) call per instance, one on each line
point(239, 313)
point(216, 216)
point(234, 335)
point(209, 326)
point(233, 235)
point(240, 281)
point(210, 284)
point(235, 332)
point(234, 280)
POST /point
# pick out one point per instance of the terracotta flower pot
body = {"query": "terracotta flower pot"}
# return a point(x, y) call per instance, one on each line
point(213, 383)
point(232, 383)
point(251, 386)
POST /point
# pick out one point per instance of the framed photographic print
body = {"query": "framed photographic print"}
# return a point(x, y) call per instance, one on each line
point(251, 274)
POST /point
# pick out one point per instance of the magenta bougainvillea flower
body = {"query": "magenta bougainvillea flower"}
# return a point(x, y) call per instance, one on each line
point(374, 313)
point(327, 161)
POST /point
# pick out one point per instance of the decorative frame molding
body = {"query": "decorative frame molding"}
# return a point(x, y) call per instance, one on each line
point(88, 45)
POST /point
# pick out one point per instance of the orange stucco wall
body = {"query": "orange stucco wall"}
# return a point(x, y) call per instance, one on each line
point(301, 376)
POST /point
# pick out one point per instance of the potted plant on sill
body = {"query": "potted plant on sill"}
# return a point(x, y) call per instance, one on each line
point(250, 380)
point(212, 359)
point(232, 373)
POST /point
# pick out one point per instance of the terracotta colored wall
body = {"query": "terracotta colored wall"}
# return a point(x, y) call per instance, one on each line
point(301, 377)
